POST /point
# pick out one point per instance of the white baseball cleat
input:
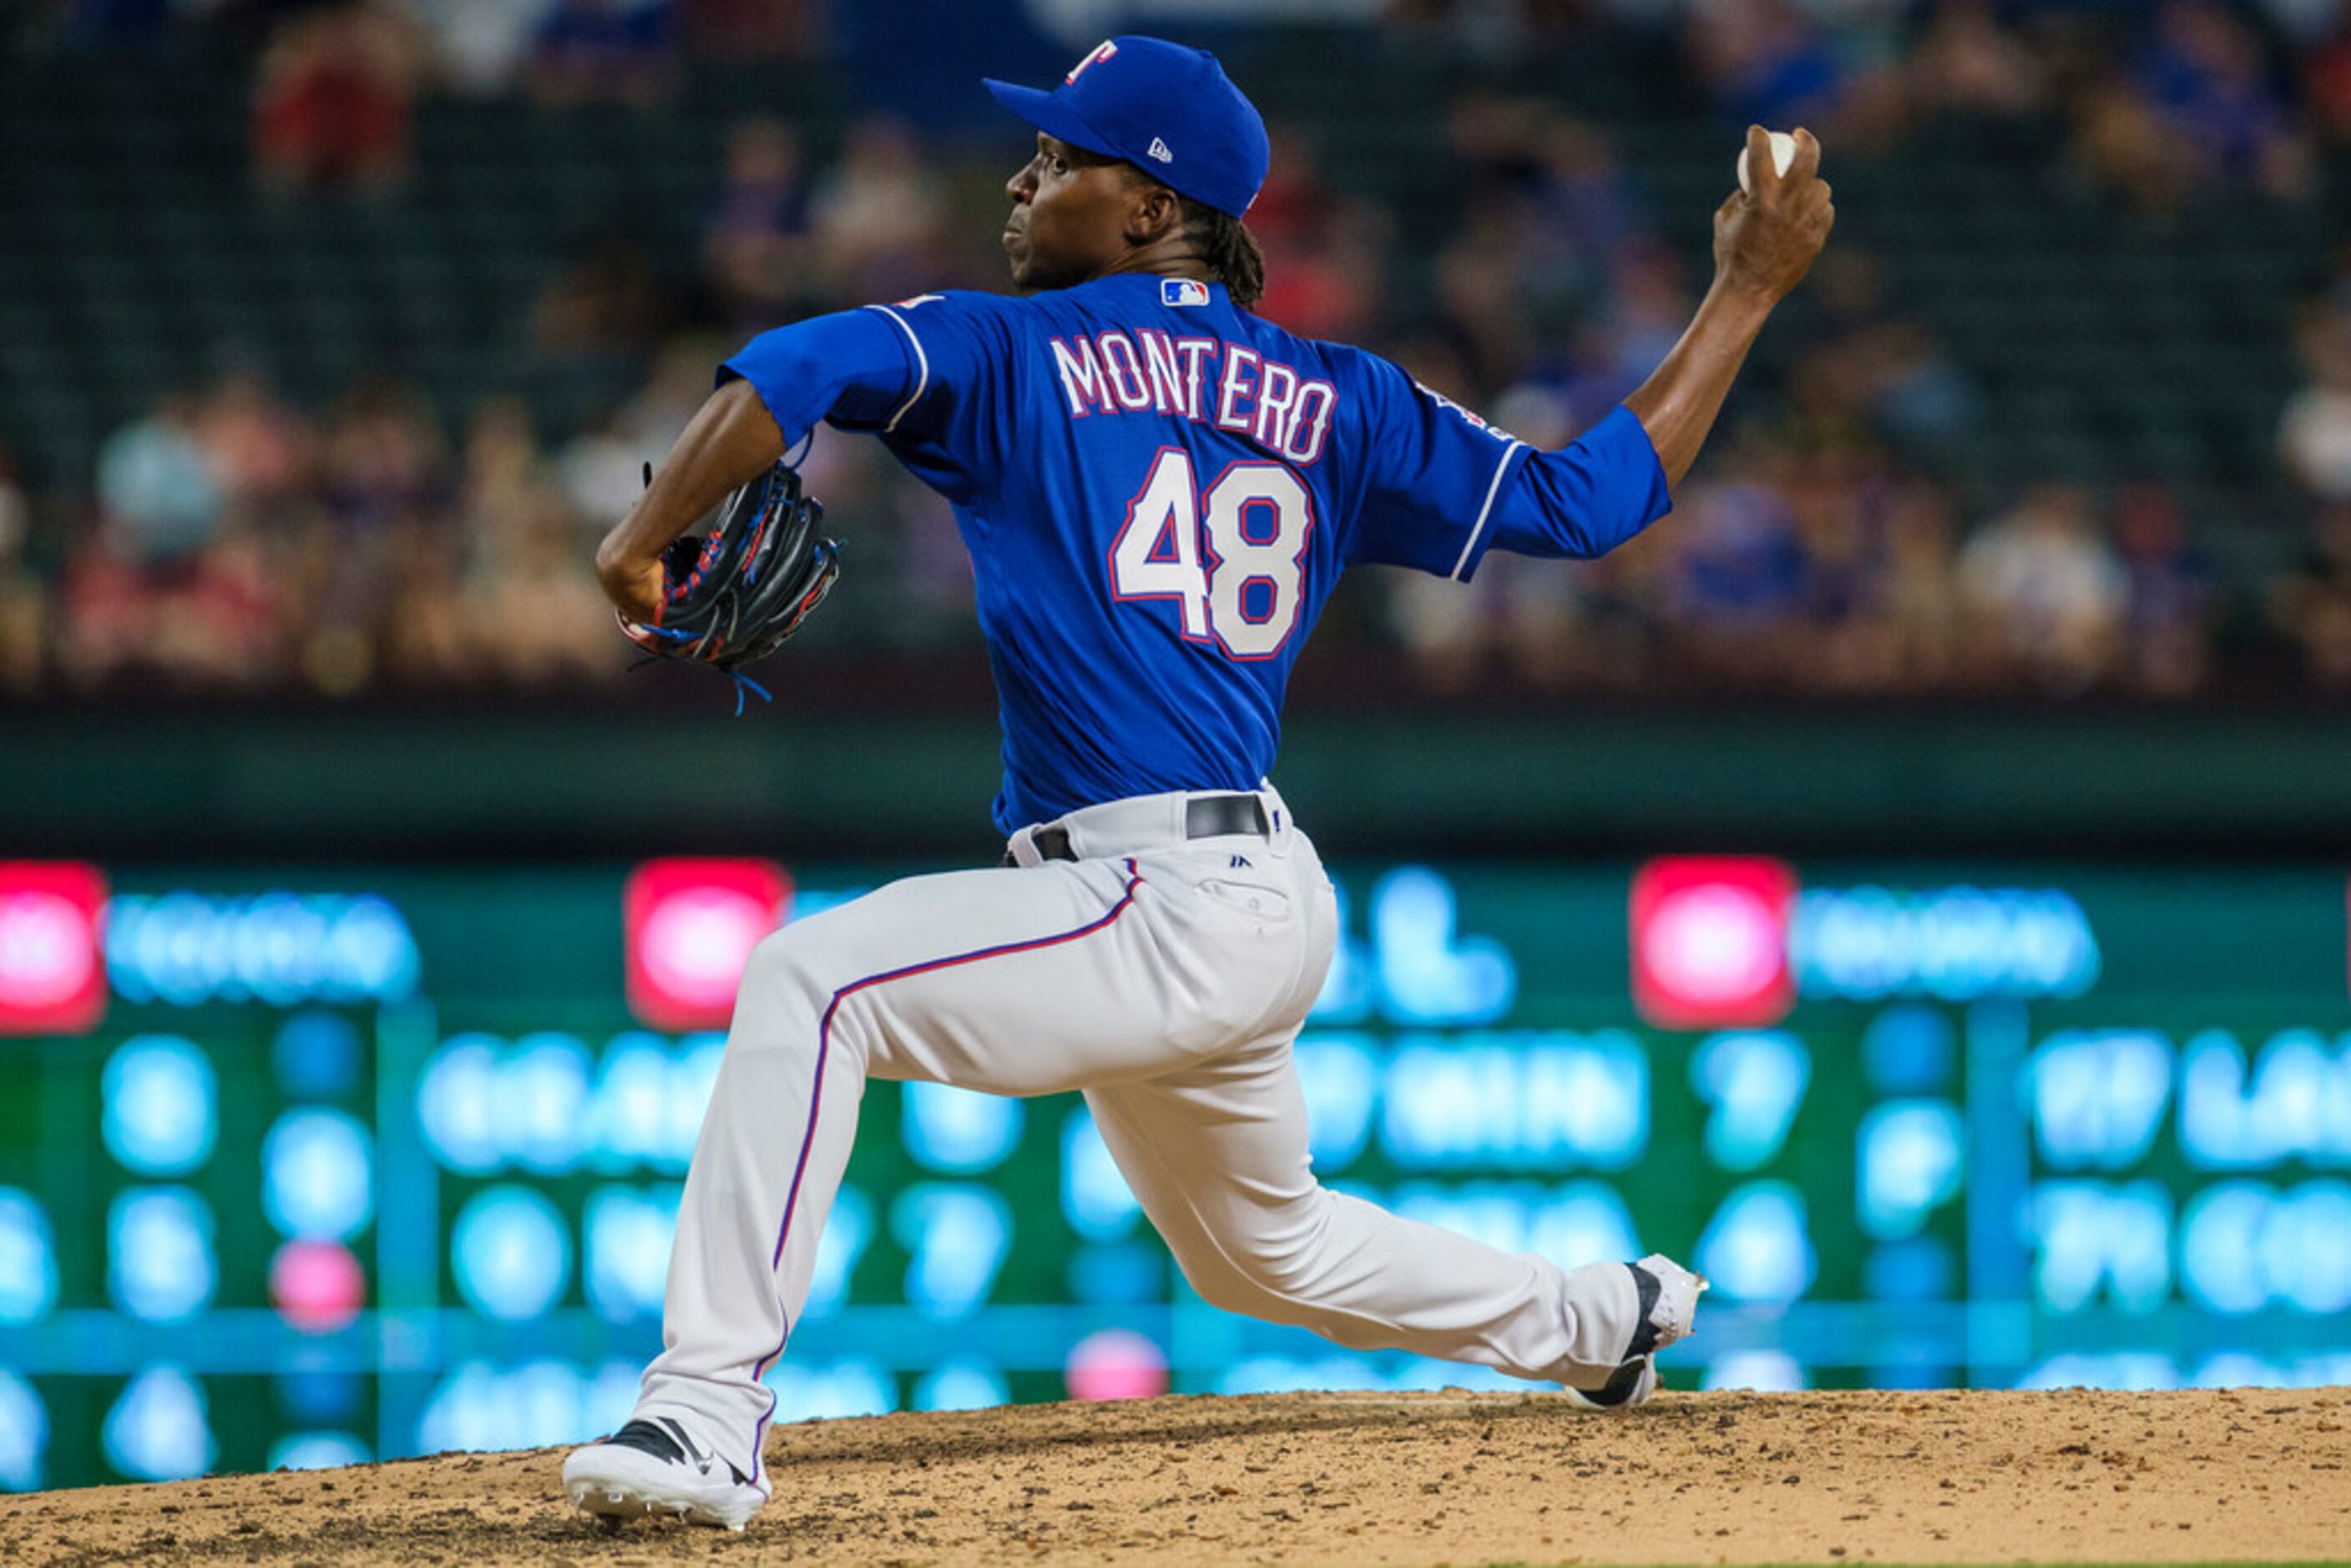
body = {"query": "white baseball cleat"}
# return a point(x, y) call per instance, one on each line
point(1668, 1294)
point(653, 1467)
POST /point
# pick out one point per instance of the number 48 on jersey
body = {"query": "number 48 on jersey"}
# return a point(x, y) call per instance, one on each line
point(1230, 556)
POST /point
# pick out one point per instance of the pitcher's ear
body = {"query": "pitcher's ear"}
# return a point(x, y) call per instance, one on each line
point(1156, 213)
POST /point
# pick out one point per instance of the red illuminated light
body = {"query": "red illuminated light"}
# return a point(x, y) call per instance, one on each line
point(319, 1286)
point(1711, 942)
point(52, 957)
point(1115, 1363)
point(691, 925)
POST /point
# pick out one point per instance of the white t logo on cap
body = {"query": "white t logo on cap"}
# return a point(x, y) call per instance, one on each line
point(1158, 150)
point(1102, 51)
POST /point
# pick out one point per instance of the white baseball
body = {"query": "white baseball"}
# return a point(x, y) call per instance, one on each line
point(1783, 152)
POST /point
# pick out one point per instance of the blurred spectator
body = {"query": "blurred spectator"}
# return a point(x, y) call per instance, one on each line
point(1764, 63)
point(2045, 593)
point(606, 51)
point(533, 608)
point(260, 447)
point(1741, 580)
point(2315, 436)
point(483, 43)
point(2122, 142)
point(386, 459)
point(206, 619)
point(23, 601)
point(1325, 257)
point(2205, 73)
point(386, 487)
point(2327, 82)
point(878, 215)
point(1919, 599)
point(331, 100)
point(756, 252)
point(157, 490)
point(1559, 186)
point(2311, 604)
point(602, 472)
point(2168, 629)
point(1969, 62)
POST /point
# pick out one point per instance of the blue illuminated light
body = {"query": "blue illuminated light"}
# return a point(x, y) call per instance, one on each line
point(1516, 1098)
point(848, 1231)
point(1117, 1273)
point(457, 1104)
point(1293, 1374)
point(2091, 1236)
point(159, 1248)
point(317, 1175)
point(318, 1394)
point(1763, 1371)
point(1758, 1247)
point(1919, 1269)
point(1350, 987)
point(28, 1258)
point(1427, 974)
point(317, 1451)
point(959, 1132)
point(1575, 1223)
point(1095, 1198)
point(1912, 1158)
point(1910, 1049)
point(646, 1107)
point(2098, 1096)
point(829, 1391)
point(961, 1385)
point(1755, 1081)
point(537, 1405)
point(511, 1255)
point(627, 1234)
point(159, 1117)
point(542, 1105)
point(158, 1430)
point(546, 1084)
point(2294, 1101)
point(24, 1434)
point(956, 1235)
point(316, 1056)
point(2245, 1244)
point(2135, 1370)
point(1340, 1076)
point(1957, 943)
point(279, 948)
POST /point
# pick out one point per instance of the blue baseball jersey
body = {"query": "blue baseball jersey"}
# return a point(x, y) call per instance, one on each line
point(1159, 491)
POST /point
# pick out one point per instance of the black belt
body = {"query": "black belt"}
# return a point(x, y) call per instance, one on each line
point(1205, 817)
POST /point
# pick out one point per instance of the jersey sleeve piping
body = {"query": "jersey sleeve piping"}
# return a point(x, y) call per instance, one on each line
point(922, 367)
point(1477, 530)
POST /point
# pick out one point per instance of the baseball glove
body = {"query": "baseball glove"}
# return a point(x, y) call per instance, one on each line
point(735, 594)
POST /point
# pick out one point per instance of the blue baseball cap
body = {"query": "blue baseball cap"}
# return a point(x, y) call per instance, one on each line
point(1168, 110)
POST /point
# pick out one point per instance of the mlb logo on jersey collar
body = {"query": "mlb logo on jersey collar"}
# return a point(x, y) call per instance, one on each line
point(1181, 291)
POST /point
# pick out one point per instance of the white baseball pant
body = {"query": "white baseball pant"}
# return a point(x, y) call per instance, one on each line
point(1166, 978)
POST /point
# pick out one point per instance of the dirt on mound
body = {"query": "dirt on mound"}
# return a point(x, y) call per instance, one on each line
point(1453, 1477)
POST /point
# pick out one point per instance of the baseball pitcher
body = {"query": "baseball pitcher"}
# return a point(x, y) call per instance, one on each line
point(1158, 490)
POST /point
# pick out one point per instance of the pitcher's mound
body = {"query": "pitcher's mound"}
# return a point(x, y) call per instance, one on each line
point(2253, 1475)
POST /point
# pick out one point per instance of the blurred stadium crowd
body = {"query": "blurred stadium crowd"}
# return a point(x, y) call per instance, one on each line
point(2104, 446)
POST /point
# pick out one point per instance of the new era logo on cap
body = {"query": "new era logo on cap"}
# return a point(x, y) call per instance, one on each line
point(1181, 291)
point(1159, 150)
